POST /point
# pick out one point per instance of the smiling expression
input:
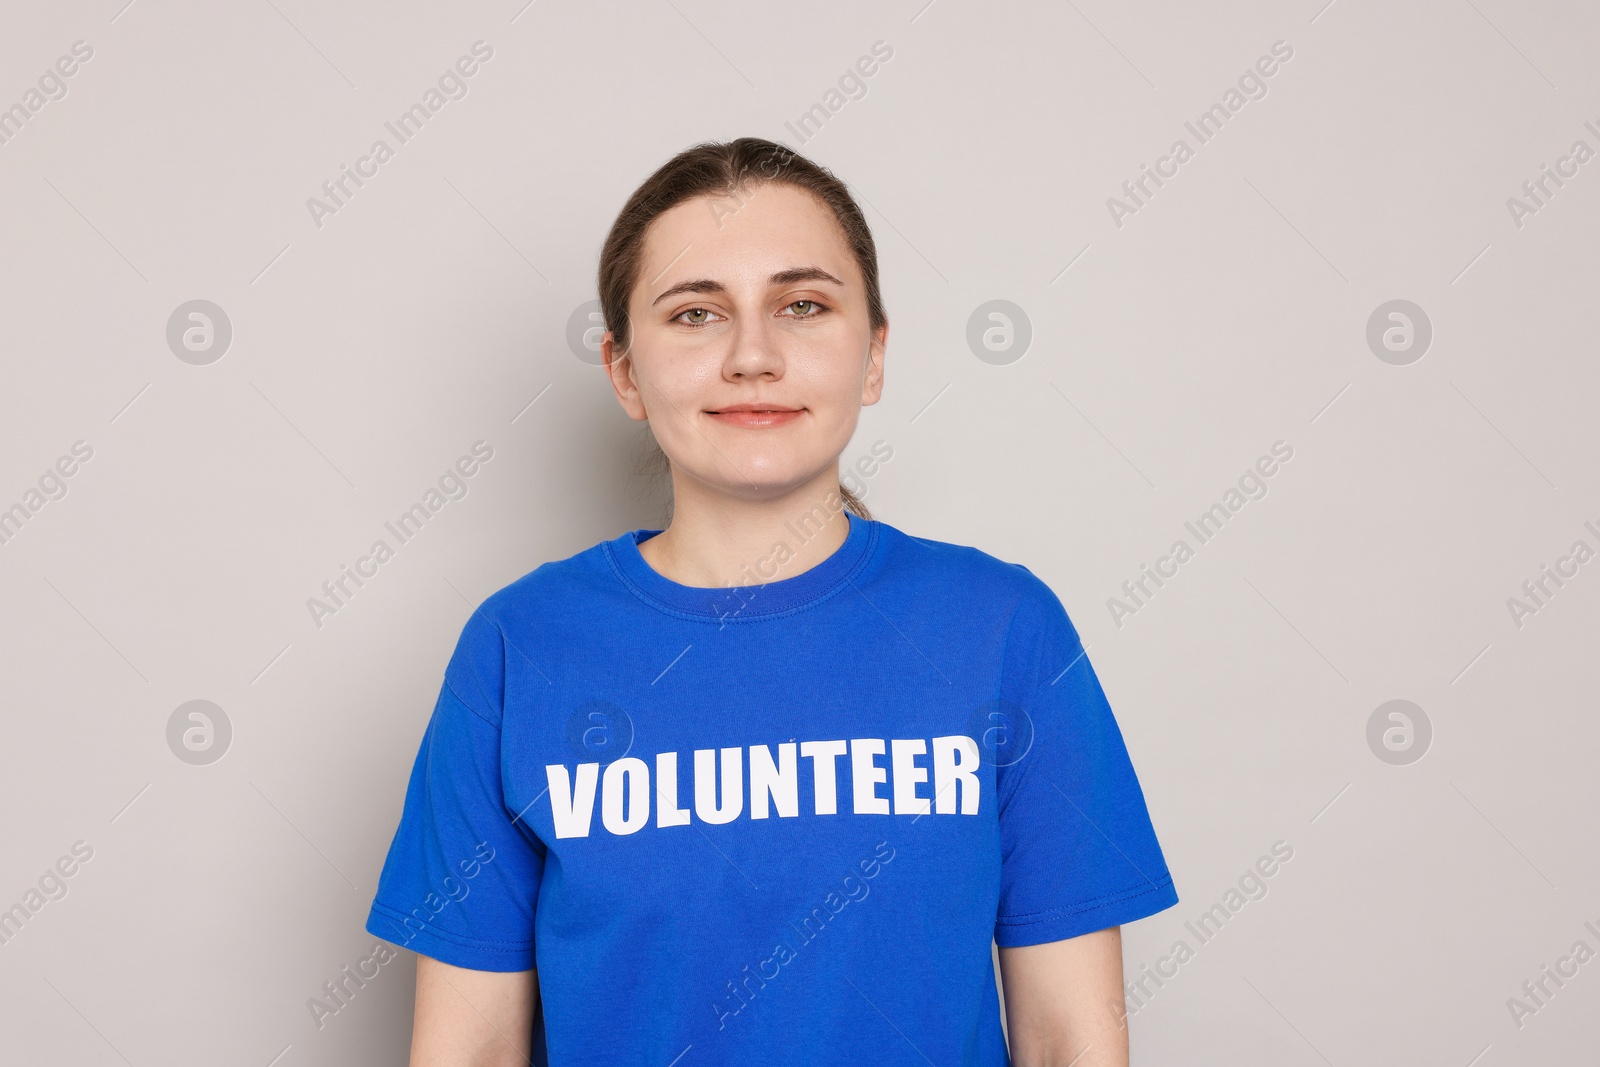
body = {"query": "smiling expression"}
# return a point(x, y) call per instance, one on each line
point(752, 351)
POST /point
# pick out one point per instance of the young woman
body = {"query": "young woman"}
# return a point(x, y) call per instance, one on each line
point(763, 786)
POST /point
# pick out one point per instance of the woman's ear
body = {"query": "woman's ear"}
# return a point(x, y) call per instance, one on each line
point(872, 384)
point(619, 368)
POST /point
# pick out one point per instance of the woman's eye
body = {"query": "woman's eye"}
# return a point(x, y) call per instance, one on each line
point(805, 308)
point(695, 317)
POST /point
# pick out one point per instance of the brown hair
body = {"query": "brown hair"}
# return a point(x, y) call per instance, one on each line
point(727, 169)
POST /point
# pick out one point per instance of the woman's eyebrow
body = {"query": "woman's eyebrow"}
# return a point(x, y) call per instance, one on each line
point(698, 285)
point(783, 277)
point(803, 274)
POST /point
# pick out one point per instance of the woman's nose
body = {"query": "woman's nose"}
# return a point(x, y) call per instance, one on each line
point(754, 350)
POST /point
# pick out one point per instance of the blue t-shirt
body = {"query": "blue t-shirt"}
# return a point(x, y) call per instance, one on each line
point(771, 824)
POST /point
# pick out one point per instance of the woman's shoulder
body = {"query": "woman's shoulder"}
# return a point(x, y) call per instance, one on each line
point(555, 601)
point(981, 586)
point(968, 568)
point(551, 590)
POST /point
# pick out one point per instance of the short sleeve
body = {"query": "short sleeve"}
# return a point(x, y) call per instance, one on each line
point(461, 878)
point(1078, 851)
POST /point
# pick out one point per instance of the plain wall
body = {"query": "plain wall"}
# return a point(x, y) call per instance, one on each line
point(1173, 342)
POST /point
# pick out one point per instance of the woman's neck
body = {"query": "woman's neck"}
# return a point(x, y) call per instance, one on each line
point(715, 541)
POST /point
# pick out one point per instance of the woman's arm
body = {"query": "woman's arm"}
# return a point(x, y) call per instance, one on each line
point(1064, 1002)
point(467, 1018)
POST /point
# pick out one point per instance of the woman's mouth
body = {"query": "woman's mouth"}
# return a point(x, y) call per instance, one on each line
point(756, 416)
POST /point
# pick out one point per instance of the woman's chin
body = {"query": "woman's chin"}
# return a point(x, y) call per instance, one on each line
point(756, 482)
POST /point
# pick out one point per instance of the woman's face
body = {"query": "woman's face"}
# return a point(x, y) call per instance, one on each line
point(756, 302)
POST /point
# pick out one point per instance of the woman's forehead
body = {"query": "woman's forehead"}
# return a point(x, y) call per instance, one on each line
point(762, 230)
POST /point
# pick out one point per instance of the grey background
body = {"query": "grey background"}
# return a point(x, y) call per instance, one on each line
point(1168, 354)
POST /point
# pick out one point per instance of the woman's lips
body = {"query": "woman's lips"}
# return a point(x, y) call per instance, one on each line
point(756, 419)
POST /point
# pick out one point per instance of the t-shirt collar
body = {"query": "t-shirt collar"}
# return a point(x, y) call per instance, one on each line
point(757, 600)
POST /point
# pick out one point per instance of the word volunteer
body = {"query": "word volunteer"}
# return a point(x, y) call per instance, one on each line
point(624, 788)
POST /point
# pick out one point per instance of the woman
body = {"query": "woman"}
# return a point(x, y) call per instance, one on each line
point(761, 787)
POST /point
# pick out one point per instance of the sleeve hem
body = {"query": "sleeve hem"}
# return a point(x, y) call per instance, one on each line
point(1098, 914)
point(454, 949)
